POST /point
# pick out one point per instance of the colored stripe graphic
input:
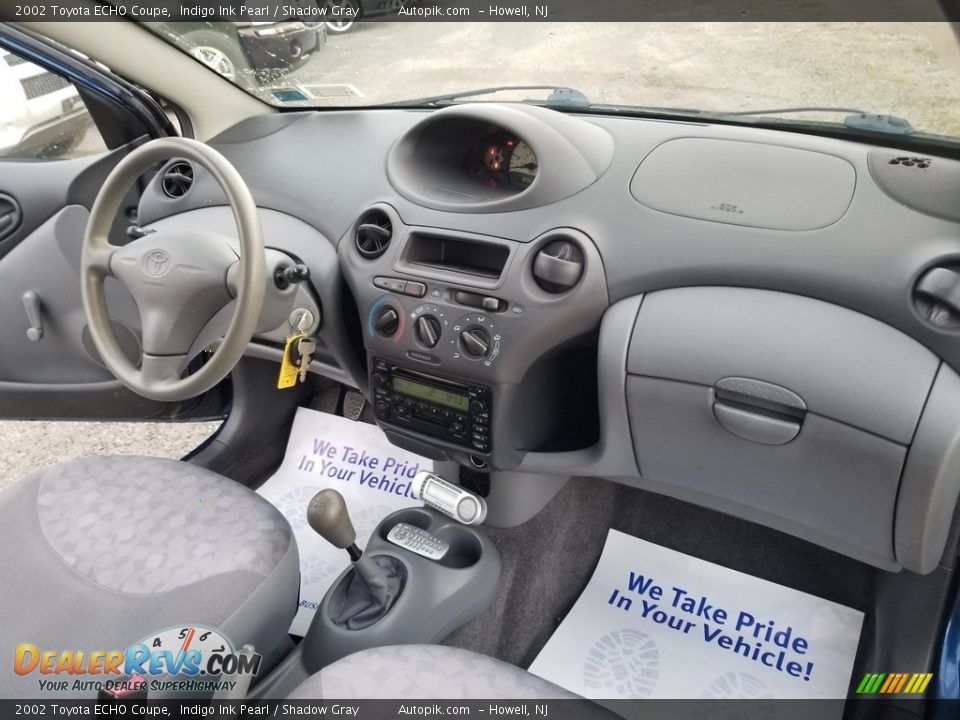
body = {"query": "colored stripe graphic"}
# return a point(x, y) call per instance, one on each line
point(902, 680)
point(891, 680)
point(894, 683)
point(870, 683)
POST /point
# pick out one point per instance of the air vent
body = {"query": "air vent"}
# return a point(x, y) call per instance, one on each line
point(936, 296)
point(558, 266)
point(374, 233)
point(177, 179)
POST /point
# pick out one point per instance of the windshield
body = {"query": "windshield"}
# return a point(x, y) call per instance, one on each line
point(907, 73)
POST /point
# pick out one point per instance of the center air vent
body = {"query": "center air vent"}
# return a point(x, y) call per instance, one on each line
point(558, 266)
point(373, 235)
point(177, 179)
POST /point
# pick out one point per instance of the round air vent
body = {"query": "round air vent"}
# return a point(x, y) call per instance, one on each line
point(177, 179)
point(374, 232)
point(558, 266)
point(936, 296)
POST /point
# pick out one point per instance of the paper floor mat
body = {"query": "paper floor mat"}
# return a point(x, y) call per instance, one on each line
point(354, 458)
point(655, 623)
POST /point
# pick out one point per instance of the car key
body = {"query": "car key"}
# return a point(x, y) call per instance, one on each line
point(306, 347)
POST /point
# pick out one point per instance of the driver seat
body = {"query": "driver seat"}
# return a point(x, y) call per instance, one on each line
point(103, 552)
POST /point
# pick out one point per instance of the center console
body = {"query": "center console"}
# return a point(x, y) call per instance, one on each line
point(450, 573)
point(452, 323)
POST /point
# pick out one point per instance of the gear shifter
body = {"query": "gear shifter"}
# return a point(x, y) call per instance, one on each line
point(327, 514)
point(376, 583)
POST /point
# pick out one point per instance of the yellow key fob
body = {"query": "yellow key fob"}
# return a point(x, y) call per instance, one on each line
point(288, 369)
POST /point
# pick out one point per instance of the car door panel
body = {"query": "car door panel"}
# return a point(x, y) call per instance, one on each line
point(54, 371)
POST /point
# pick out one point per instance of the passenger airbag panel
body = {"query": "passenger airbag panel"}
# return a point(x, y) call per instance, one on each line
point(745, 183)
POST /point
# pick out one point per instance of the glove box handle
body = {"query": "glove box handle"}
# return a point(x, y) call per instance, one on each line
point(758, 411)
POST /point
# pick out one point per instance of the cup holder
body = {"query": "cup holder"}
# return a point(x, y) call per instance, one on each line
point(465, 547)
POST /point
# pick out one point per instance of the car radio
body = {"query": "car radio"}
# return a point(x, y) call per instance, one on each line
point(434, 406)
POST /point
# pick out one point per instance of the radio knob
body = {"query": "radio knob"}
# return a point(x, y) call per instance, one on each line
point(428, 330)
point(386, 322)
point(475, 342)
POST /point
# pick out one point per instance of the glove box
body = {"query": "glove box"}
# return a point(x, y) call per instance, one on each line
point(798, 414)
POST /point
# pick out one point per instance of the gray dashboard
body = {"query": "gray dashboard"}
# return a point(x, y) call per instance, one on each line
point(759, 321)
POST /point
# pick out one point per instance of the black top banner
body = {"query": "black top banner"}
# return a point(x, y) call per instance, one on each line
point(487, 10)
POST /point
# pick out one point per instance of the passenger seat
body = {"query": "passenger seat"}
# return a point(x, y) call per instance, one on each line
point(425, 672)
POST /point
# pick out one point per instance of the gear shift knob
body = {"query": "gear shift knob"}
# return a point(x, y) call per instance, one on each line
point(327, 514)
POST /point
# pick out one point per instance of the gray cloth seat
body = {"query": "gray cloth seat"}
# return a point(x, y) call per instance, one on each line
point(425, 672)
point(102, 552)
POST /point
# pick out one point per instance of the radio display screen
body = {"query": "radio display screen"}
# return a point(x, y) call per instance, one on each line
point(431, 393)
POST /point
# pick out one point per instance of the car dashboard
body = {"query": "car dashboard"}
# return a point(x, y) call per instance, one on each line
point(759, 321)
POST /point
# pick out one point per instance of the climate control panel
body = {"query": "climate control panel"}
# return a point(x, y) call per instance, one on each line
point(433, 336)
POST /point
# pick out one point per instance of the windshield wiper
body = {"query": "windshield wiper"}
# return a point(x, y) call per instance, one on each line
point(855, 119)
point(559, 97)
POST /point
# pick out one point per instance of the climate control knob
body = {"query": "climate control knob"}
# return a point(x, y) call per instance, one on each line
point(475, 342)
point(428, 330)
point(386, 322)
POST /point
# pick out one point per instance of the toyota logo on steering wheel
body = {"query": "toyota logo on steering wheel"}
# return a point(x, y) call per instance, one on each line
point(156, 262)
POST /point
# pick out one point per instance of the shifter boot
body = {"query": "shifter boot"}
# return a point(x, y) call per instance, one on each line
point(371, 590)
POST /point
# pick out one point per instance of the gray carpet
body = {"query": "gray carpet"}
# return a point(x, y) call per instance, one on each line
point(548, 561)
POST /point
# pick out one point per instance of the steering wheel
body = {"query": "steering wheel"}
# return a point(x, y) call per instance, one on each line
point(179, 280)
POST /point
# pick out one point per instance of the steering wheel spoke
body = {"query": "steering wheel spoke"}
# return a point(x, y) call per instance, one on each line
point(161, 369)
point(100, 258)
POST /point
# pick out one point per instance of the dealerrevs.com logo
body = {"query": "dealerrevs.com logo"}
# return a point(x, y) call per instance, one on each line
point(179, 659)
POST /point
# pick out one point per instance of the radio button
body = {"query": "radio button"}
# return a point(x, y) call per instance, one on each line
point(457, 428)
point(401, 411)
point(477, 406)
